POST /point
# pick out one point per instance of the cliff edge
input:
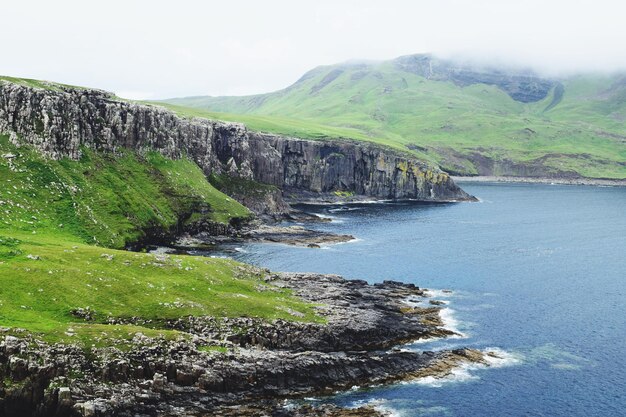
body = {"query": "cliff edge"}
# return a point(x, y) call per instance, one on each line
point(60, 121)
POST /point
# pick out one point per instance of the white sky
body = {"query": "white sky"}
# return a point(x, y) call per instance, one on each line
point(158, 49)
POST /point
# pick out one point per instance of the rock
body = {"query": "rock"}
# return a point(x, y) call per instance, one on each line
point(257, 363)
point(86, 409)
point(86, 314)
point(525, 87)
point(158, 382)
point(12, 344)
point(65, 395)
point(293, 235)
point(97, 120)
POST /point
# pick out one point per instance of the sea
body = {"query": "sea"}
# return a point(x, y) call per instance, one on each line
point(537, 274)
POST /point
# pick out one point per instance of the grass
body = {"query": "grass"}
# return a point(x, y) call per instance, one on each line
point(44, 279)
point(240, 186)
point(291, 127)
point(62, 224)
point(104, 199)
point(213, 348)
point(45, 85)
point(440, 121)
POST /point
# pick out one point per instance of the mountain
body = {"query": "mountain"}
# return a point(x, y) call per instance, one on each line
point(470, 120)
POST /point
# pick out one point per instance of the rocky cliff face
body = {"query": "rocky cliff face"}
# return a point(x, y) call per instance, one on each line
point(524, 87)
point(60, 121)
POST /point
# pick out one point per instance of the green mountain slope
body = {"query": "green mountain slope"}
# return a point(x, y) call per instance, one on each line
point(470, 121)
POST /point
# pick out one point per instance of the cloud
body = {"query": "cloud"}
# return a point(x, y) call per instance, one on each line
point(164, 49)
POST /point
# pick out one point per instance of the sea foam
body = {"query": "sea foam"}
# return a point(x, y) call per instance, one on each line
point(495, 358)
point(379, 404)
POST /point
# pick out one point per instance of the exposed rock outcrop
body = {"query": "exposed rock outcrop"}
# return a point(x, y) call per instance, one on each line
point(526, 86)
point(243, 363)
point(61, 120)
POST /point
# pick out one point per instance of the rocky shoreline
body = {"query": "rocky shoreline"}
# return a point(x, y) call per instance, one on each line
point(293, 235)
point(237, 366)
point(540, 180)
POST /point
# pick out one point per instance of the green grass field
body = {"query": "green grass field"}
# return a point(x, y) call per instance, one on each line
point(582, 129)
point(63, 223)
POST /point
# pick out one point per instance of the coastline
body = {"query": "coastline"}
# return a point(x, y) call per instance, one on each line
point(543, 180)
point(242, 366)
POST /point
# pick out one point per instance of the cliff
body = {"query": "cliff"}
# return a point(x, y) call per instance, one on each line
point(61, 121)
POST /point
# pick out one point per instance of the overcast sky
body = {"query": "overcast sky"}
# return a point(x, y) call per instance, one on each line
point(158, 49)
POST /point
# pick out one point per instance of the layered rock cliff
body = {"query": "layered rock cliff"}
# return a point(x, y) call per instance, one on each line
point(59, 121)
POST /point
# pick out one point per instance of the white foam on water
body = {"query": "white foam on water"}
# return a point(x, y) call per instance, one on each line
point(333, 219)
point(241, 250)
point(451, 323)
point(328, 246)
point(432, 293)
point(459, 374)
point(498, 358)
point(447, 316)
point(413, 301)
point(379, 404)
point(344, 209)
point(354, 240)
point(495, 358)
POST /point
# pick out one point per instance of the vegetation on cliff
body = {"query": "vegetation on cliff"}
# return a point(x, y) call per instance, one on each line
point(62, 221)
point(485, 122)
point(105, 199)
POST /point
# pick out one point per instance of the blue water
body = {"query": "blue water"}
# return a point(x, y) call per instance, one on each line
point(537, 271)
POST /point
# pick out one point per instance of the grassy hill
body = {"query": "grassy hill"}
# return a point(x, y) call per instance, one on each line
point(63, 223)
point(470, 121)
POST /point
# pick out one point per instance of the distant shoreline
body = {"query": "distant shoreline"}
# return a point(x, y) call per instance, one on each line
point(538, 180)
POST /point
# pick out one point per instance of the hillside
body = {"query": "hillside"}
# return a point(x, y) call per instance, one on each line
point(64, 221)
point(87, 328)
point(53, 212)
point(470, 121)
point(86, 174)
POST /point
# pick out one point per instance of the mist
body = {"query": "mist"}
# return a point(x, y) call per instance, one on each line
point(159, 49)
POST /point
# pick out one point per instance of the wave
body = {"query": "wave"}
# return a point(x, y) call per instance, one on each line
point(333, 219)
point(344, 208)
point(451, 323)
point(379, 404)
point(446, 314)
point(459, 374)
point(328, 246)
point(499, 358)
point(495, 358)
point(433, 293)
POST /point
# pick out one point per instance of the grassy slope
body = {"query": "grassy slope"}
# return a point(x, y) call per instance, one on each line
point(385, 105)
point(50, 211)
point(103, 199)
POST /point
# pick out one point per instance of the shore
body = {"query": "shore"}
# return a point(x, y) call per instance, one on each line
point(533, 180)
point(240, 366)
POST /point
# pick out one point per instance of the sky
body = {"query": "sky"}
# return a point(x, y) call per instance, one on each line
point(159, 49)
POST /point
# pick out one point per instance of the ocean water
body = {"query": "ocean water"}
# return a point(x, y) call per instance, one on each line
point(538, 273)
